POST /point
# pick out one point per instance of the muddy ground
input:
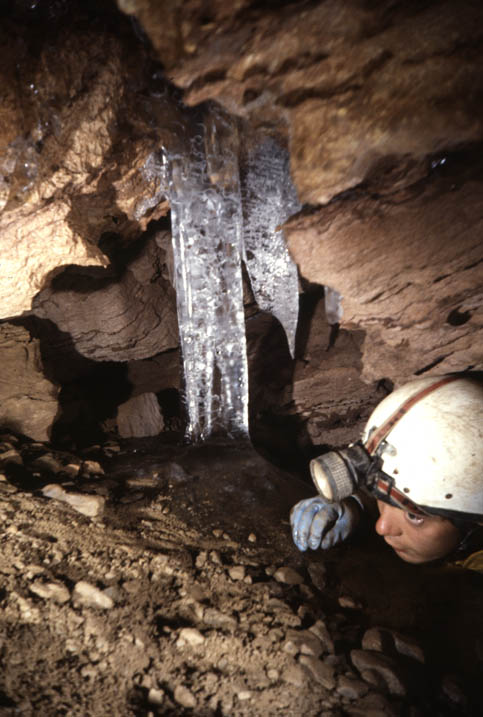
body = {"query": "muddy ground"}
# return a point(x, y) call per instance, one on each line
point(182, 594)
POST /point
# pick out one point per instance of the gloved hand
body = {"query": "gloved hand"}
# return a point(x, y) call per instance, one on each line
point(315, 522)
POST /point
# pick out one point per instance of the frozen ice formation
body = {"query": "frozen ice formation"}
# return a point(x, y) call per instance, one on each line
point(333, 305)
point(269, 199)
point(221, 216)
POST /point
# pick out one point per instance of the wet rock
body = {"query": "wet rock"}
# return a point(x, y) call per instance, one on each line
point(320, 671)
point(289, 576)
point(90, 505)
point(184, 697)
point(379, 670)
point(89, 596)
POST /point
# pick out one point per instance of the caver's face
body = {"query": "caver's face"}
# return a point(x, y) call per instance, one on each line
point(414, 538)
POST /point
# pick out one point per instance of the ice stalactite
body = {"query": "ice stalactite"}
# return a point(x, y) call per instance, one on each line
point(269, 199)
point(206, 220)
point(219, 220)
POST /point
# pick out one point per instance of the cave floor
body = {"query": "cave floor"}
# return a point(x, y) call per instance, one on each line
point(185, 595)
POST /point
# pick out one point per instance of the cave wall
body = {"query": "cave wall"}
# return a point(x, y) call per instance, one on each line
point(380, 105)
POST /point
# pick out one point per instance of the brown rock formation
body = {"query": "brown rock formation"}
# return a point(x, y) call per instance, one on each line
point(380, 105)
point(28, 400)
point(410, 270)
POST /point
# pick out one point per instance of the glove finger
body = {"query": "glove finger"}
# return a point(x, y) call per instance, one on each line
point(321, 527)
point(302, 521)
point(341, 529)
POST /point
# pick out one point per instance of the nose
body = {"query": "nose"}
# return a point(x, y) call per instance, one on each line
point(388, 522)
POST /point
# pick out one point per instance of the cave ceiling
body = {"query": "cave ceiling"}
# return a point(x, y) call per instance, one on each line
point(381, 108)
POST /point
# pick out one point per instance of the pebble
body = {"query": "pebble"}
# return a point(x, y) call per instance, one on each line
point(273, 674)
point(302, 641)
point(155, 697)
point(89, 505)
point(244, 695)
point(389, 641)
point(190, 636)
point(11, 457)
point(51, 591)
point(347, 602)
point(71, 470)
point(217, 619)
point(317, 572)
point(295, 675)
point(289, 576)
point(215, 557)
point(88, 595)
point(352, 689)
point(201, 559)
point(320, 671)
point(217, 532)
point(91, 468)
point(320, 629)
point(237, 572)
point(376, 667)
point(452, 689)
point(252, 538)
point(47, 462)
point(184, 697)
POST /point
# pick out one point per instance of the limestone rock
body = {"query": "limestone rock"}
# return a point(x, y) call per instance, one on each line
point(88, 595)
point(379, 670)
point(28, 400)
point(140, 416)
point(357, 98)
point(409, 272)
point(58, 155)
point(111, 318)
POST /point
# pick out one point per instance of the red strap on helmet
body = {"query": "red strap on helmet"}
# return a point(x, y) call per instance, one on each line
point(380, 433)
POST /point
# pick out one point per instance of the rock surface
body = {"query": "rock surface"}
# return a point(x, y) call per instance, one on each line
point(137, 609)
point(28, 400)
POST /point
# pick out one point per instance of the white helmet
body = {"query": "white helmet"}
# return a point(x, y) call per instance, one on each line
point(422, 448)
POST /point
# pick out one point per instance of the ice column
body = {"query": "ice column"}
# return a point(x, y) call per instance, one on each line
point(219, 220)
point(269, 199)
point(206, 217)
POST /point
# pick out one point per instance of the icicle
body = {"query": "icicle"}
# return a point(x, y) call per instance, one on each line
point(206, 225)
point(198, 170)
point(269, 199)
point(333, 305)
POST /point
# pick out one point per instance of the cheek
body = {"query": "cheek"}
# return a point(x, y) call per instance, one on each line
point(433, 543)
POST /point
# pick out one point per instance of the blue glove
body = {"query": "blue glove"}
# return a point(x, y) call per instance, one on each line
point(317, 523)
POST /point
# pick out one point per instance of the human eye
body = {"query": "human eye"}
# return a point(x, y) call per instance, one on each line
point(414, 519)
